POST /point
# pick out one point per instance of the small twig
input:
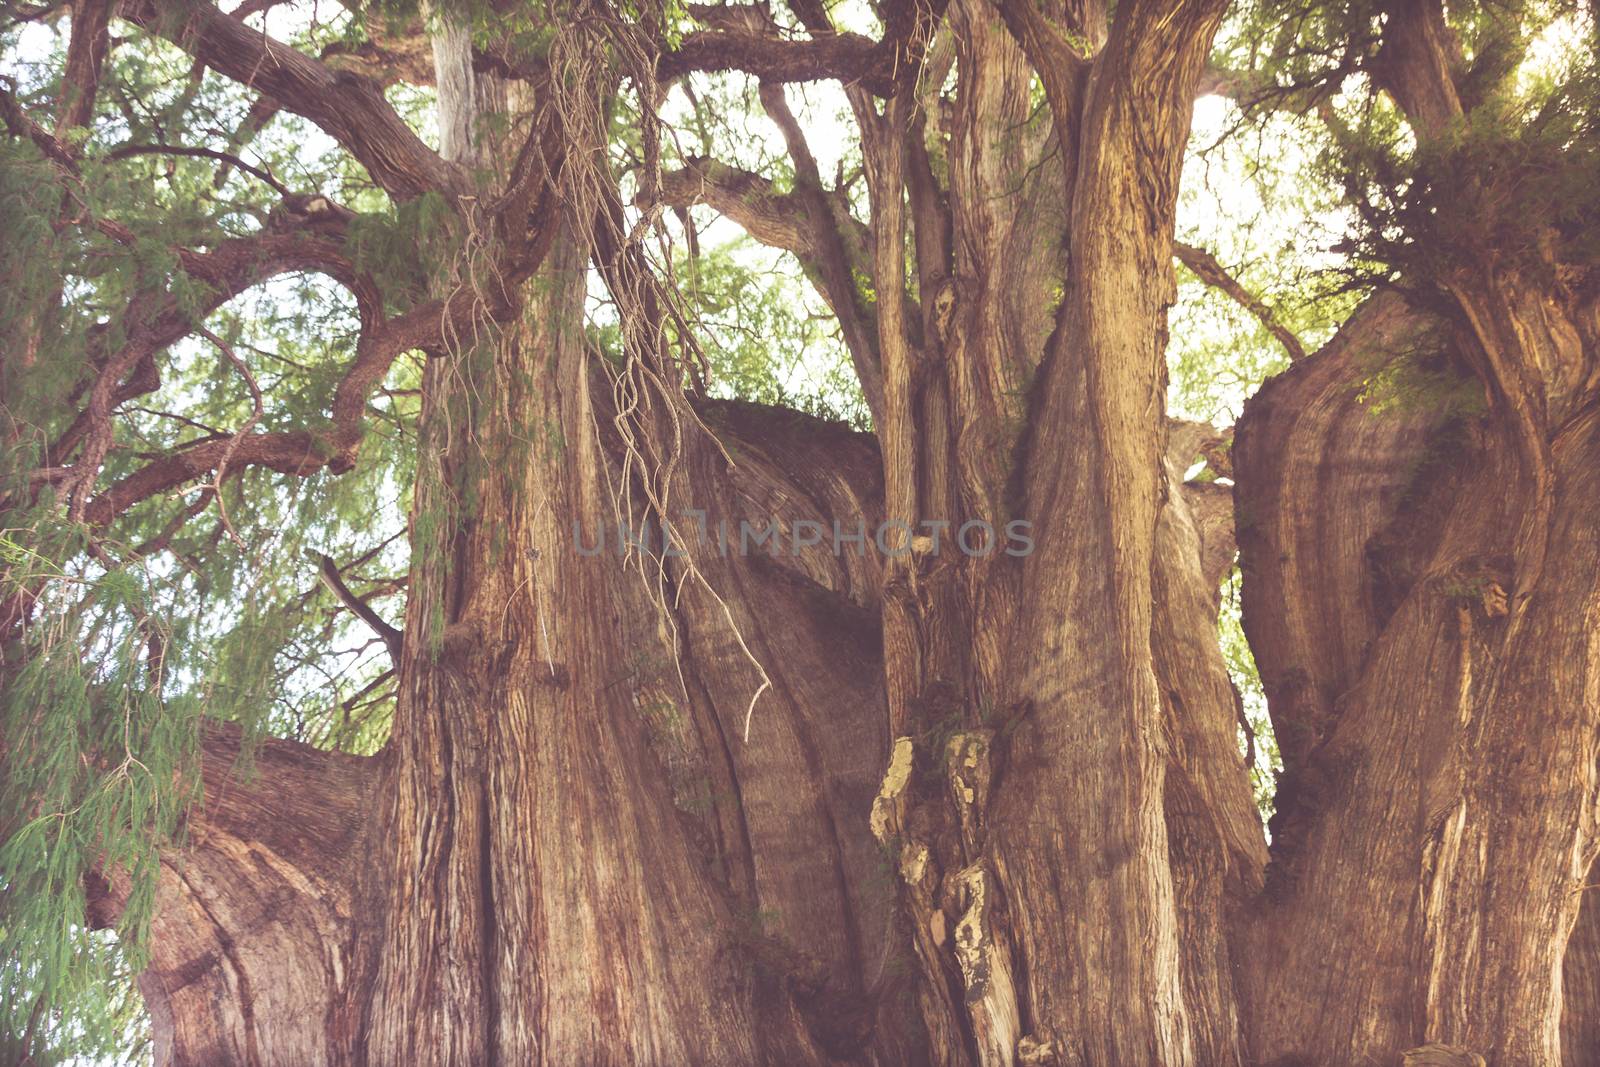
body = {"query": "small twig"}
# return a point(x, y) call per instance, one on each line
point(201, 153)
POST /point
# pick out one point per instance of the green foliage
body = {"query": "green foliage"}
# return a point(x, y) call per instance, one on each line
point(397, 246)
point(106, 1023)
point(1261, 743)
point(27, 207)
point(170, 613)
point(767, 339)
point(205, 601)
point(105, 778)
point(1301, 49)
point(1517, 184)
point(1254, 198)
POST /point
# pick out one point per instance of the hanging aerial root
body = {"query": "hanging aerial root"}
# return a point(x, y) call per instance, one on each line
point(595, 51)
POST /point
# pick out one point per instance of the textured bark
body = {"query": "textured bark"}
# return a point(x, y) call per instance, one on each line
point(254, 945)
point(923, 806)
point(1432, 687)
point(1069, 736)
point(1580, 983)
point(1431, 668)
point(567, 882)
point(549, 903)
point(580, 855)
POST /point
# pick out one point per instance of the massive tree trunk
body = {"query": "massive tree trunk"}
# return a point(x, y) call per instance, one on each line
point(931, 804)
point(1422, 576)
point(621, 816)
point(567, 852)
point(1432, 674)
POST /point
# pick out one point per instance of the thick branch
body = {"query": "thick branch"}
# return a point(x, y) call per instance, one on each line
point(848, 58)
point(85, 56)
point(1058, 58)
point(830, 244)
point(745, 37)
point(778, 220)
point(300, 452)
point(157, 318)
point(1415, 65)
point(843, 247)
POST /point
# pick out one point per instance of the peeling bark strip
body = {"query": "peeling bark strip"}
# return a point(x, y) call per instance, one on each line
point(908, 806)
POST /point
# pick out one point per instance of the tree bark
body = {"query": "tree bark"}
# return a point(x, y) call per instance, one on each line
point(1431, 685)
point(920, 804)
point(255, 944)
point(616, 873)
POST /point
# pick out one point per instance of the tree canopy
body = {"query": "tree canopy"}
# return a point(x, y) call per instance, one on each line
point(236, 238)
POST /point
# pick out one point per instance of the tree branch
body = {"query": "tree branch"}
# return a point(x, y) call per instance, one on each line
point(745, 37)
point(302, 452)
point(804, 223)
point(201, 153)
point(351, 109)
point(848, 58)
point(1209, 270)
point(328, 571)
point(157, 318)
point(86, 54)
point(1058, 58)
point(1415, 65)
point(778, 220)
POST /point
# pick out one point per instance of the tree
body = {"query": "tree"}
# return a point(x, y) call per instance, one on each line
point(972, 794)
